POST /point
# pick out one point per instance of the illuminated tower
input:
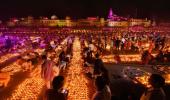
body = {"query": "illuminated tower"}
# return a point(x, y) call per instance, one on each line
point(110, 16)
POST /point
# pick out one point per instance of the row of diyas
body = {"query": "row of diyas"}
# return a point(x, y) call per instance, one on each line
point(76, 82)
point(29, 89)
point(123, 58)
point(12, 68)
point(25, 86)
point(7, 56)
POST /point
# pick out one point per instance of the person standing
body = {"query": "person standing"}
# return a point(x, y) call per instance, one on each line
point(91, 48)
point(117, 43)
point(151, 46)
point(47, 71)
point(62, 60)
point(155, 92)
point(123, 43)
point(103, 90)
point(56, 93)
point(163, 43)
point(111, 45)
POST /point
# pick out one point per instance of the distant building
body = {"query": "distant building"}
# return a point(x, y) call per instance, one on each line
point(140, 22)
point(117, 21)
point(113, 20)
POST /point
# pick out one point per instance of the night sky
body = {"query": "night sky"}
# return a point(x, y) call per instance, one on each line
point(159, 9)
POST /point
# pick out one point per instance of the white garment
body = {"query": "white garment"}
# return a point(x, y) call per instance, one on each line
point(123, 40)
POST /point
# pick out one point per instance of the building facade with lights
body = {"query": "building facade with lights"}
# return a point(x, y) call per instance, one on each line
point(113, 20)
point(118, 21)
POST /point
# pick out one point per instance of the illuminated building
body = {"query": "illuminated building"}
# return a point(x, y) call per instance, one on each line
point(112, 21)
point(118, 21)
point(140, 22)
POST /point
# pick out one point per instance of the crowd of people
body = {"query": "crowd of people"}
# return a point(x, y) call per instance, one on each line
point(97, 70)
point(137, 42)
point(103, 84)
point(52, 62)
point(161, 57)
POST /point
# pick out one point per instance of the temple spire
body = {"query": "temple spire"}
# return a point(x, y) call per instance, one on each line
point(110, 13)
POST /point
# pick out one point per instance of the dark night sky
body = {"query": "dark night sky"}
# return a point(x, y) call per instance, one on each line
point(84, 8)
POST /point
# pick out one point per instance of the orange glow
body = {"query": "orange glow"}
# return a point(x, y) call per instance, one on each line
point(123, 58)
point(144, 80)
point(7, 56)
point(76, 82)
point(30, 88)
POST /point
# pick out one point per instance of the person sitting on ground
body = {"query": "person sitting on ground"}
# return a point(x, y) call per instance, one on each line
point(35, 59)
point(117, 58)
point(160, 56)
point(56, 93)
point(155, 92)
point(20, 60)
point(103, 91)
point(27, 65)
point(146, 57)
